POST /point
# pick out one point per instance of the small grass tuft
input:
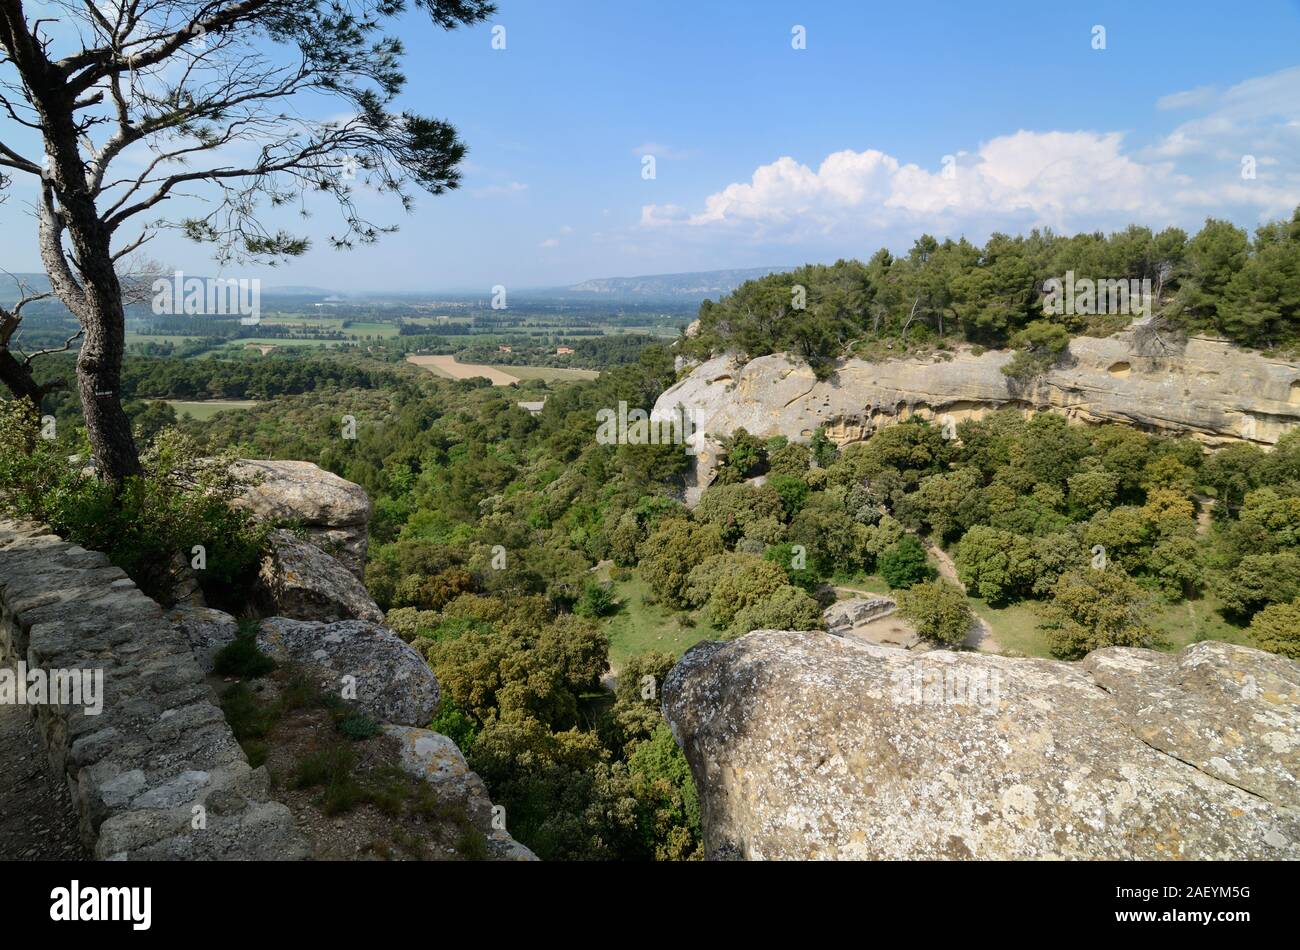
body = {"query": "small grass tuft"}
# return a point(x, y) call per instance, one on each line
point(241, 657)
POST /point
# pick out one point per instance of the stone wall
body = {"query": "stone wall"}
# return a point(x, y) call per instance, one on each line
point(157, 774)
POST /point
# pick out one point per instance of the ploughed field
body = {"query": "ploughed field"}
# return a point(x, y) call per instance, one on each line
point(448, 367)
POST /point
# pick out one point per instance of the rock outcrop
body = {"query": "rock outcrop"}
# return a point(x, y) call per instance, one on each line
point(299, 580)
point(333, 512)
point(1210, 390)
point(434, 758)
point(364, 662)
point(806, 745)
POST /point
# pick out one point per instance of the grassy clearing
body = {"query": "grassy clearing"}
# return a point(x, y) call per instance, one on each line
point(860, 585)
point(640, 627)
point(1194, 621)
point(204, 409)
point(1015, 627)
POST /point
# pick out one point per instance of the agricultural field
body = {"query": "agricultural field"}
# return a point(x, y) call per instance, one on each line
point(550, 374)
point(204, 409)
point(450, 368)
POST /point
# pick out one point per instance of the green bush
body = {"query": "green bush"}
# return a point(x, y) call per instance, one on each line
point(597, 600)
point(358, 726)
point(241, 656)
point(903, 563)
point(150, 524)
point(939, 611)
point(1091, 609)
point(1276, 628)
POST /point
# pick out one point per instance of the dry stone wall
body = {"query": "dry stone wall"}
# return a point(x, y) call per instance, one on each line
point(155, 773)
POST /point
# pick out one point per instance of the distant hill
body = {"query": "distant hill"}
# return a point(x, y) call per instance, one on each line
point(697, 285)
point(13, 286)
point(297, 291)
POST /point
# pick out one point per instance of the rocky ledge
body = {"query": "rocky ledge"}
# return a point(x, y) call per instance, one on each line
point(806, 745)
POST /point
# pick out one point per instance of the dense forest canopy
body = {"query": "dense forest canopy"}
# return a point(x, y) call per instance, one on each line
point(1219, 282)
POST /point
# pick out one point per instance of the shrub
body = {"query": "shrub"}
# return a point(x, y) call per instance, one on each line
point(795, 564)
point(903, 563)
point(241, 656)
point(995, 564)
point(1257, 581)
point(786, 608)
point(597, 600)
point(358, 726)
point(1276, 628)
point(742, 581)
point(790, 459)
point(1039, 346)
point(793, 491)
point(938, 610)
point(1092, 609)
point(147, 525)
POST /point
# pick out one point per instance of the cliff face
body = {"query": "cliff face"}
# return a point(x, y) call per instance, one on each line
point(1207, 389)
point(806, 745)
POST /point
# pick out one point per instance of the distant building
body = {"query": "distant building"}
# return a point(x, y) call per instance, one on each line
point(533, 407)
point(564, 351)
point(503, 348)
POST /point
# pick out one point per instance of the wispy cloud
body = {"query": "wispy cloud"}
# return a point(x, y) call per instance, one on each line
point(496, 191)
point(659, 150)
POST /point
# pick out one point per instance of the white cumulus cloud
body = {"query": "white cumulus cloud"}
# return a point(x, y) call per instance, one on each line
point(1067, 180)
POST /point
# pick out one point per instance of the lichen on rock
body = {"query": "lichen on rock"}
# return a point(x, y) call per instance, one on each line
point(807, 745)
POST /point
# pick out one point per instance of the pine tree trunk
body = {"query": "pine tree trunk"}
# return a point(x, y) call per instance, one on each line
point(103, 320)
point(99, 369)
point(93, 293)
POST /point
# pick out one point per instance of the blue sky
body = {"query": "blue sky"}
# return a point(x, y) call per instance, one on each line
point(770, 155)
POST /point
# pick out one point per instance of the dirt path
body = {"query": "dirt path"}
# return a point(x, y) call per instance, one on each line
point(1204, 515)
point(981, 634)
point(447, 366)
point(858, 592)
point(37, 821)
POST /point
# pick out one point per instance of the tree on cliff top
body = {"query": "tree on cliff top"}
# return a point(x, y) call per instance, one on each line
point(208, 98)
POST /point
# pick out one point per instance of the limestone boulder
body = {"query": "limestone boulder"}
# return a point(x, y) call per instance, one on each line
point(206, 629)
point(332, 512)
point(435, 759)
point(362, 661)
point(300, 581)
point(807, 745)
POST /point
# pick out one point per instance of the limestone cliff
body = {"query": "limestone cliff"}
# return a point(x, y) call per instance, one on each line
point(807, 745)
point(1208, 389)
